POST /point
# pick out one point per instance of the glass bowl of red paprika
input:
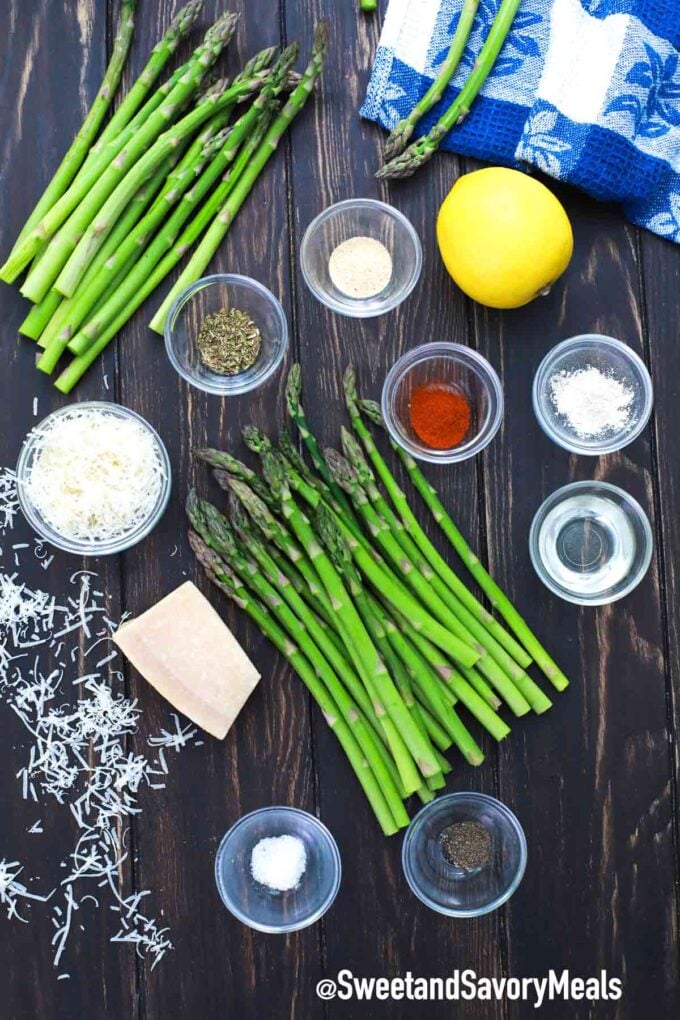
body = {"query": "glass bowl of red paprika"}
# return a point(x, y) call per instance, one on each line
point(442, 402)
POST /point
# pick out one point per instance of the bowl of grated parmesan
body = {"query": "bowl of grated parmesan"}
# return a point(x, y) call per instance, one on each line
point(93, 478)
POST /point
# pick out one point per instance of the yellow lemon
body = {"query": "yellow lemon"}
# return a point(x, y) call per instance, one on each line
point(503, 236)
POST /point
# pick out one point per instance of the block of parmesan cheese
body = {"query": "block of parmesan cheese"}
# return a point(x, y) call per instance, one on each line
point(184, 650)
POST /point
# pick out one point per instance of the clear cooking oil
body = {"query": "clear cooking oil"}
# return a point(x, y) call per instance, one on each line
point(587, 544)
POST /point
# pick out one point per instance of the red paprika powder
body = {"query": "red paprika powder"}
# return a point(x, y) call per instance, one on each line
point(440, 416)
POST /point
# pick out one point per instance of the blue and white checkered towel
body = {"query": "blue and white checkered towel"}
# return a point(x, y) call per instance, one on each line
point(586, 90)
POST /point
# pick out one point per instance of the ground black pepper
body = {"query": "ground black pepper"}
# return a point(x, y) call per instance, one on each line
point(466, 845)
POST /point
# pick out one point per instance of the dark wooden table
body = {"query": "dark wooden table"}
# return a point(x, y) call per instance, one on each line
point(594, 781)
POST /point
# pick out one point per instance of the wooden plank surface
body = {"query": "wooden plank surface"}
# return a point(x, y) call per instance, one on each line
point(593, 781)
point(42, 103)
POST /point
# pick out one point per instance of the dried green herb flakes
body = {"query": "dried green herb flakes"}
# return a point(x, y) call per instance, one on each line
point(228, 342)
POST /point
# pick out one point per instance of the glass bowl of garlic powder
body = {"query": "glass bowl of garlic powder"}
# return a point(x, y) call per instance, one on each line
point(592, 394)
point(361, 257)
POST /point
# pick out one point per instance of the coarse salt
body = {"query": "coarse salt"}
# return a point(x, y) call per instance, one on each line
point(593, 402)
point(279, 862)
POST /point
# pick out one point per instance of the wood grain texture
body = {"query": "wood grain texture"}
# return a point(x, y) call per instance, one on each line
point(265, 759)
point(593, 781)
point(342, 155)
point(593, 776)
point(42, 103)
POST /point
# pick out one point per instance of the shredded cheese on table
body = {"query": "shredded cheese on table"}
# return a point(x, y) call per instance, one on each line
point(78, 725)
point(94, 475)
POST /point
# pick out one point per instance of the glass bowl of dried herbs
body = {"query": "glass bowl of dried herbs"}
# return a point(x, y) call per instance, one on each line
point(464, 854)
point(226, 334)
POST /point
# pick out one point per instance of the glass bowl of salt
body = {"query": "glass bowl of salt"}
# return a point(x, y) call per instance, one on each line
point(592, 394)
point(361, 257)
point(278, 869)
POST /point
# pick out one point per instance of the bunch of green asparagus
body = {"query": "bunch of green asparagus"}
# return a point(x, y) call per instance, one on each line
point(166, 176)
point(330, 561)
point(402, 159)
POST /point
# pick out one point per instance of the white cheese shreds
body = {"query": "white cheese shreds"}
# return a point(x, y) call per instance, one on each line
point(79, 727)
point(94, 475)
point(9, 502)
point(279, 862)
point(12, 891)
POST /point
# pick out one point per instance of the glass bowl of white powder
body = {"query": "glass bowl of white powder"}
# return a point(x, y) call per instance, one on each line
point(361, 257)
point(278, 869)
point(592, 394)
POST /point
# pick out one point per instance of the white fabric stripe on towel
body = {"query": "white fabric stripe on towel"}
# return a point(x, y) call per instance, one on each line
point(582, 56)
point(408, 29)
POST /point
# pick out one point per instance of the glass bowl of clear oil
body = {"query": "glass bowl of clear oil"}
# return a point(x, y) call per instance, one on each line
point(590, 543)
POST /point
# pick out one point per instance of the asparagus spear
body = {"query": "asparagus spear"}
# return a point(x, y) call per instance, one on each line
point(366, 659)
point(241, 130)
point(219, 228)
point(416, 532)
point(88, 245)
point(80, 145)
point(103, 273)
point(334, 542)
point(295, 458)
point(342, 561)
point(218, 526)
point(42, 312)
point(178, 28)
point(224, 462)
point(276, 533)
point(216, 533)
point(102, 155)
point(47, 317)
point(462, 687)
point(379, 574)
point(92, 189)
point(146, 280)
point(305, 667)
point(345, 476)
point(419, 152)
point(529, 690)
point(438, 699)
point(297, 415)
point(401, 133)
point(494, 593)
point(276, 565)
point(128, 258)
point(127, 294)
point(332, 650)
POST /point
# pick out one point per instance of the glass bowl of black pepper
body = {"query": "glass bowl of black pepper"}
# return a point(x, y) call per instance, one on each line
point(226, 334)
point(464, 854)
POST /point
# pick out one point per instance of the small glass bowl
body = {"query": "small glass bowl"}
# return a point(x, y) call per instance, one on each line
point(451, 890)
point(262, 908)
point(455, 367)
point(213, 294)
point(610, 356)
point(364, 217)
point(590, 543)
point(81, 547)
